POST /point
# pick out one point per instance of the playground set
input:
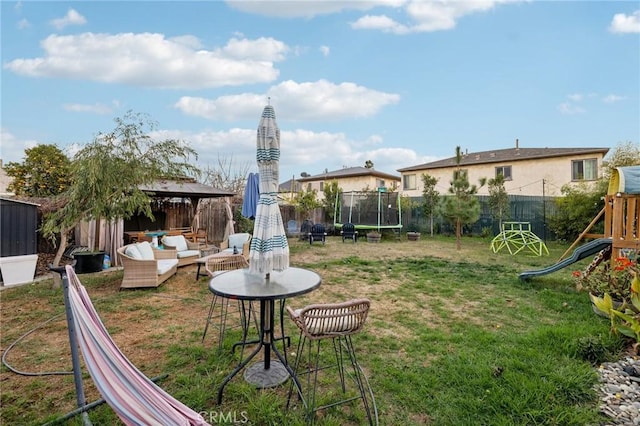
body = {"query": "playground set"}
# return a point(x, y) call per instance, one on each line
point(621, 236)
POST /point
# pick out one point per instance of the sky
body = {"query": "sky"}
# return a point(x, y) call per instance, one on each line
point(397, 82)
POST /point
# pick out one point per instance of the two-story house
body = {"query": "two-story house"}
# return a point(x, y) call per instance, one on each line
point(527, 171)
point(351, 179)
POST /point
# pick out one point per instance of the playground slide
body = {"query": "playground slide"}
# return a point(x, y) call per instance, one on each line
point(588, 249)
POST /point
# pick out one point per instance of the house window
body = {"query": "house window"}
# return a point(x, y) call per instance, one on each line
point(505, 171)
point(460, 173)
point(321, 186)
point(380, 183)
point(408, 182)
point(584, 169)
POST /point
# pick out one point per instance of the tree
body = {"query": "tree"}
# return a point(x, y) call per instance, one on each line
point(306, 201)
point(227, 176)
point(624, 154)
point(44, 172)
point(498, 198)
point(431, 197)
point(368, 164)
point(106, 176)
point(331, 191)
point(463, 207)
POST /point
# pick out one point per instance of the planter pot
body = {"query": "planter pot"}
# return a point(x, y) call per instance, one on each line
point(373, 238)
point(413, 236)
point(88, 262)
point(18, 269)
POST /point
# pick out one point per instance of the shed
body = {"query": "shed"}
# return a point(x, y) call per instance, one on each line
point(18, 240)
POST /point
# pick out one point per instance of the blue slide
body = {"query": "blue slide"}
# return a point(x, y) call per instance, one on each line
point(588, 249)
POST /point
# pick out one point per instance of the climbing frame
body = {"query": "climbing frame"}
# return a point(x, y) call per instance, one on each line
point(517, 236)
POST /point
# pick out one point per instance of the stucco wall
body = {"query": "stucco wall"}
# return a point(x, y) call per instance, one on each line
point(527, 176)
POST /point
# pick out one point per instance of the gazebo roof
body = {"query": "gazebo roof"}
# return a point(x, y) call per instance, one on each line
point(185, 189)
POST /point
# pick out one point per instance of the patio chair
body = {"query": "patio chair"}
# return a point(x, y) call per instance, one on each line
point(187, 251)
point(214, 266)
point(292, 228)
point(336, 322)
point(237, 243)
point(317, 233)
point(349, 232)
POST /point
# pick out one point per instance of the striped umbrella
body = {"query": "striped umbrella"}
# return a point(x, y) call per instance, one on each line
point(269, 248)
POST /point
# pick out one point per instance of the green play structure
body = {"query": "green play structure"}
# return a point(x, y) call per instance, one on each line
point(517, 236)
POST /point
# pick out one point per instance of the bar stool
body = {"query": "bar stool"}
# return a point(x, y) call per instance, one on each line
point(336, 322)
point(215, 266)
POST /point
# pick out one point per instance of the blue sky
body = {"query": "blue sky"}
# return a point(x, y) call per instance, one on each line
point(396, 82)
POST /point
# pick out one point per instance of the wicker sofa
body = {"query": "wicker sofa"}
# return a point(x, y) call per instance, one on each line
point(145, 266)
point(187, 251)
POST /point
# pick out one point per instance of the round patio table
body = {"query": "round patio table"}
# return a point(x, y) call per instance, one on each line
point(242, 285)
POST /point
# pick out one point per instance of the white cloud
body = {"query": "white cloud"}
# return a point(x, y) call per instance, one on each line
point(622, 23)
point(325, 50)
point(12, 147)
point(576, 97)
point(308, 8)
point(568, 108)
point(23, 24)
point(151, 60)
point(427, 16)
point(420, 15)
point(610, 99)
point(71, 18)
point(96, 108)
point(301, 150)
point(319, 100)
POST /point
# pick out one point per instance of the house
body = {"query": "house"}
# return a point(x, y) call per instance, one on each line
point(351, 179)
point(527, 171)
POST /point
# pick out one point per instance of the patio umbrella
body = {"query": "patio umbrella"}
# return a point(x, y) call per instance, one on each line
point(251, 195)
point(269, 249)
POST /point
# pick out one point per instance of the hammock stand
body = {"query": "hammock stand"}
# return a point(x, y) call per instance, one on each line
point(135, 398)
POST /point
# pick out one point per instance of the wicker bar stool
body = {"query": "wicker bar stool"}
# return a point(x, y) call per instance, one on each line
point(336, 322)
point(216, 265)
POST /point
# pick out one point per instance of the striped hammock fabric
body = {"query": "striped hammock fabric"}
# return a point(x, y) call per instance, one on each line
point(132, 395)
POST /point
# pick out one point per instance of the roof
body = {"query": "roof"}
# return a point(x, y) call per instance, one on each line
point(349, 172)
point(20, 201)
point(185, 189)
point(502, 155)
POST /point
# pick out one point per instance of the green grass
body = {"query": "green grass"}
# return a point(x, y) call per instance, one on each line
point(451, 342)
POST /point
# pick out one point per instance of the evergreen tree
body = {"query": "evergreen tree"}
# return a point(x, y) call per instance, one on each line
point(462, 207)
point(331, 191)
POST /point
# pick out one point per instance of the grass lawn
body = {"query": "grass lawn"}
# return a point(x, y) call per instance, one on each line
point(453, 338)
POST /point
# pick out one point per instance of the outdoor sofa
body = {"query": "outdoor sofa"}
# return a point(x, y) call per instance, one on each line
point(145, 266)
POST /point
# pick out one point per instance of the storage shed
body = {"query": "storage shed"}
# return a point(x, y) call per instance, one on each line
point(18, 241)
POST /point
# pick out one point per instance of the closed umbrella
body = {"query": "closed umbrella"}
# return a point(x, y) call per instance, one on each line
point(251, 195)
point(269, 248)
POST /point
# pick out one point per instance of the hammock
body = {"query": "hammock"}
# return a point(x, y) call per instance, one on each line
point(133, 396)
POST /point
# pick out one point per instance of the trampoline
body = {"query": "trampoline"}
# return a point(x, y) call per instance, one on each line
point(368, 210)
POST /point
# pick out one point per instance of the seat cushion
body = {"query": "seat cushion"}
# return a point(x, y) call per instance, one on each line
point(188, 253)
point(238, 240)
point(177, 241)
point(165, 265)
point(338, 321)
point(146, 251)
point(132, 251)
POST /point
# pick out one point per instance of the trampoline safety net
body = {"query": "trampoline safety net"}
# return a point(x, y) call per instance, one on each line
point(370, 209)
